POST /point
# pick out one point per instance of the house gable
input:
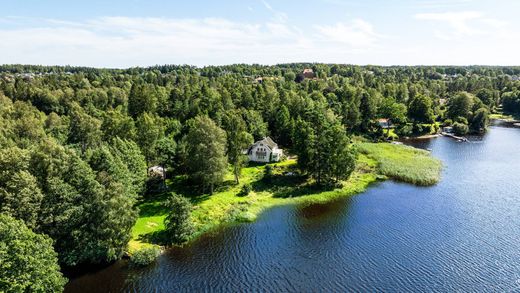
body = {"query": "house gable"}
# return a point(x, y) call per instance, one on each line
point(264, 150)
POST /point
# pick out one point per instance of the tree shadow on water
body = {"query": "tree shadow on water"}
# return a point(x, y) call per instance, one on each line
point(283, 186)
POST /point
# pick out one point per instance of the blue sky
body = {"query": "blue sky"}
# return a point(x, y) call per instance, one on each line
point(142, 33)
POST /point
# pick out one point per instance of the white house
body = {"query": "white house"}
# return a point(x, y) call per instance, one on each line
point(264, 151)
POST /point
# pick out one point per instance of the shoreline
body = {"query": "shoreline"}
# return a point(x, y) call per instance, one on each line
point(225, 207)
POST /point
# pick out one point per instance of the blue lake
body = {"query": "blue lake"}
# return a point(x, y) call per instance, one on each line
point(460, 235)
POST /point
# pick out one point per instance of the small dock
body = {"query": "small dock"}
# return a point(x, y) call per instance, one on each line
point(458, 138)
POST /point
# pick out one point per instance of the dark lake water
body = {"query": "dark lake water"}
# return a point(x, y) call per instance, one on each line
point(460, 235)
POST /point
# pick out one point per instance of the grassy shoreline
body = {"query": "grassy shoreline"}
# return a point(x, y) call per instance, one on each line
point(375, 162)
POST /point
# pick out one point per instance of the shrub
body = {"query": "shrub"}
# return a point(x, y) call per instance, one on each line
point(405, 130)
point(268, 171)
point(155, 185)
point(178, 223)
point(245, 190)
point(462, 120)
point(418, 129)
point(460, 128)
point(144, 256)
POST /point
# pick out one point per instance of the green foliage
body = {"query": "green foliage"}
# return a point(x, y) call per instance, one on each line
point(88, 213)
point(323, 148)
point(405, 130)
point(511, 102)
point(145, 256)
point(85, 130)
point(403, 163)
point(420, 109)
point(130, 154)
point(460, 128)
point(75, 143)
point(27, 261)
point(460, 105)
point(480, 120)
point(149, 130)
point(178, 223)
point(20, 195)
point(245, 190)
point(394, 111)
point(206, 151)
point(238, 140)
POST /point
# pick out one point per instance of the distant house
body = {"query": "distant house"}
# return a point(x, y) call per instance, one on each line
point(157, 171)
point(264, 151)
point(308, 73)
point(384, 123)
point(447, 129)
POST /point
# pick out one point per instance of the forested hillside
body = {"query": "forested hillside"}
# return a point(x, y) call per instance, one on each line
point(76, 143)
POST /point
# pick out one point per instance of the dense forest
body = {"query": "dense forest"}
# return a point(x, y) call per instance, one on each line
point(76, 144)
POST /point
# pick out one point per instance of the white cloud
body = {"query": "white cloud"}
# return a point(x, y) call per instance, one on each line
point(458, 21)
point(134, 41)
point(131, 41)
point(358, 33)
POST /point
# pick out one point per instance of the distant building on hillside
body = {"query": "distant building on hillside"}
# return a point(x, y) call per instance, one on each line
point(308, 73)
point(384, 123)
point(264, 151)
point(157, 171)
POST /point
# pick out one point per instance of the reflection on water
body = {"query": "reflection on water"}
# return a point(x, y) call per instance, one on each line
point(460, 235)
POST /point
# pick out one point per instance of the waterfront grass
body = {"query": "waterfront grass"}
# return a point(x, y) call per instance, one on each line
point(375, 161)
point(404, 163)
point(503, 116)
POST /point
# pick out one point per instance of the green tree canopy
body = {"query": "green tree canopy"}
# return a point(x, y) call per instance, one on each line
point(27, 261)
point(206, 150)
point(178, 225)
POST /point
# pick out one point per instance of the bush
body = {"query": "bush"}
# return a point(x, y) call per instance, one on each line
point(417, 129)
point(155, 185)
point(462, 120)
point(268, 171)
point(144, 256)
point(448, 122)
point(460, 128)
point(405, 130)
point(178, 223)
point(246, 189)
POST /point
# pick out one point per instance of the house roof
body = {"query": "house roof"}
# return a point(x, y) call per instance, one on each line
point(268, 142)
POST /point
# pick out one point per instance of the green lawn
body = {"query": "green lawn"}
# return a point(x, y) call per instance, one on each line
point(375, 161)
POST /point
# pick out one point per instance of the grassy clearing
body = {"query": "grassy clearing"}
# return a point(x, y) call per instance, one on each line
point(224, 206)
point(404, 163)
point(502, 116)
